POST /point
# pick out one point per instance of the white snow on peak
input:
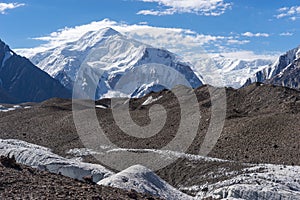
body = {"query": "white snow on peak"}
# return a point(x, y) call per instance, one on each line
point(42, 158)
point(111, 55)
point(233, 71)
point(282, 63)
point(143, 180)
point(298, 53)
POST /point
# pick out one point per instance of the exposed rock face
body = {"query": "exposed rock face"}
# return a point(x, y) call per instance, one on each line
point(21, 81)
point(285, 71)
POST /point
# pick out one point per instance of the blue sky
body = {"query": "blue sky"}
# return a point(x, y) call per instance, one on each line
point(259, 26)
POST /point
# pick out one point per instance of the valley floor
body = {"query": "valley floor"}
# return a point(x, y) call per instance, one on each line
point(256, 157)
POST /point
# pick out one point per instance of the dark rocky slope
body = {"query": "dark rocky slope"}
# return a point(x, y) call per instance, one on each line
point(21, 81)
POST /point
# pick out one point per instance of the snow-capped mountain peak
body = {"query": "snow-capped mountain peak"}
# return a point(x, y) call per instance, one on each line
point(92, 38)
point(112, 54)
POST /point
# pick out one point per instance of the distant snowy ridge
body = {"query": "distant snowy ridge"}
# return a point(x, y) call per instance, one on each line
point(233, 71)
point(112, 54)
point(42, 158)
point(282, 72)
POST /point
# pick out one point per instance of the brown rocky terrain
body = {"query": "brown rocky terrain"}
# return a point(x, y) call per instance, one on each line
point(261, 126)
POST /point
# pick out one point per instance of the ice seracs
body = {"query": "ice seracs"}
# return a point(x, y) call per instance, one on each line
point(258, 182)
point(143, 180)
point(42, 158)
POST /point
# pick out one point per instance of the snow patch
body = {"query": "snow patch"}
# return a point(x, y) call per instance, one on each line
point(151, 100)
point(101, 106)
point(7, 55)
point(15, 107)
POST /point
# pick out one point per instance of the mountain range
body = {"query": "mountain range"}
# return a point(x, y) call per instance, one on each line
point(114, 61)
point(284, 72)
point(256, 155)
point(233, 71)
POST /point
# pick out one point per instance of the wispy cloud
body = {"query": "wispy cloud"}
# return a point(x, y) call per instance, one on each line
point(239, 42)
point(286, 34)
point(8, 6)
point(184, 42)
point(292, 13)
point(249, 34)
point(199, 7)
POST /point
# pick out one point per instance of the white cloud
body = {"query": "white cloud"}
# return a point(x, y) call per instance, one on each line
point(143, 23)
point(8, 6)
point(235, 41)
point(157, 13)
point(185, 42)
point(292, 13)
point(249, 34)
point(199, 7)
point(286, 34)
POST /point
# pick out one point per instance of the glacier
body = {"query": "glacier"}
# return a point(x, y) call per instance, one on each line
point(264, 181)
point(254, 181)
point(143, 180)
point(42, 158)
